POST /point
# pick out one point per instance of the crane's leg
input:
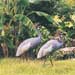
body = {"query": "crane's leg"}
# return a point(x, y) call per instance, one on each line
point(22, 57)
point(44, 62)
point(51, 61)
point(26, 56)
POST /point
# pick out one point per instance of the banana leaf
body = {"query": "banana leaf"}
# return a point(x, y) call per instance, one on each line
point(42, 14)
point(24, 19)
point(47, 16)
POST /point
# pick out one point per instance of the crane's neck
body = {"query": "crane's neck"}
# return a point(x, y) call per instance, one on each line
point(60, 39)
point(39, 34)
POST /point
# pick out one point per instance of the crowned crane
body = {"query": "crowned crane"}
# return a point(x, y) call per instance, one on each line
point(30, 43)
point(51, 46)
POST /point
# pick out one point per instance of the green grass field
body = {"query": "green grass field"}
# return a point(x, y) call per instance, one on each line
point(12, 66)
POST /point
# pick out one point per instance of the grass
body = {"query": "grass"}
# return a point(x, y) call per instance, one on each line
point(12, 66)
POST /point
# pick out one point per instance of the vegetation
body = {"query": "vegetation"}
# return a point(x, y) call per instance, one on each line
point(18, 67)
point(17, 18)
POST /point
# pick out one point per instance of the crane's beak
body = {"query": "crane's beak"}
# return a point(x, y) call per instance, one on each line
point(63, 34)
point(37, 25)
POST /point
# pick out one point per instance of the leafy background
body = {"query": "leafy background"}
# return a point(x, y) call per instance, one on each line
point(17, 18)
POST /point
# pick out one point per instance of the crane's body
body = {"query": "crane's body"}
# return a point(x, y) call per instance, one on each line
point(48, 47)
point(51, 46)
point(27, 44)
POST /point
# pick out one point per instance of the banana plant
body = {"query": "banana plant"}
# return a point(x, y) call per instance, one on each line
point(20, 22)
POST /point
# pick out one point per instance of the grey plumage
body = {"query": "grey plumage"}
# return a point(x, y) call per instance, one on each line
point(28, 43)
point(51, 45)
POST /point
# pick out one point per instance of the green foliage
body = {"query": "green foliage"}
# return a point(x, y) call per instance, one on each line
point(1, 26)
point(22, 14)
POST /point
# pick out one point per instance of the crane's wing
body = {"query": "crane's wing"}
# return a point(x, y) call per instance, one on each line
point(22, 49)
point(26, 44)
point(43, 52)
point(55, 43)
point(33, 41)
point(49, 47)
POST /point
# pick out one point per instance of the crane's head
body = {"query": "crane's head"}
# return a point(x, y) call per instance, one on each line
point(60, 35)
point(37, 25)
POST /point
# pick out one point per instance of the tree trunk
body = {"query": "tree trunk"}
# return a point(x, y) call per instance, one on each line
point(5, 49)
